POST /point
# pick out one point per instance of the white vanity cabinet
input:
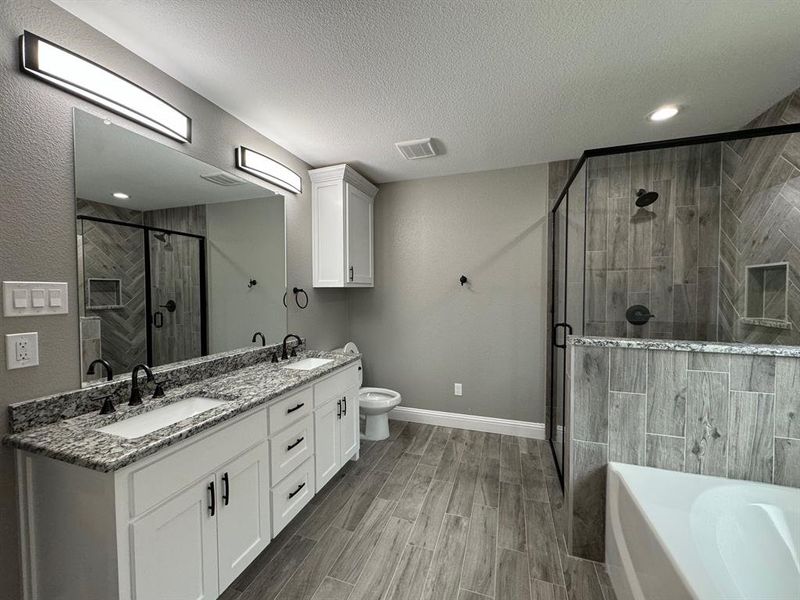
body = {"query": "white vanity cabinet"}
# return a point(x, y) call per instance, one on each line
point(183, 523)
point(342, 227)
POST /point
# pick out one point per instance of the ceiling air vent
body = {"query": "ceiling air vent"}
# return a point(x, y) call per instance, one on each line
point(225, 179)
point(414, 149)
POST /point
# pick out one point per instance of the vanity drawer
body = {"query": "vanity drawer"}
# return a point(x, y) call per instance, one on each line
point(290, 448)
point(291, 495)
point(166, 476)
point(337, 384)
point(285, 412)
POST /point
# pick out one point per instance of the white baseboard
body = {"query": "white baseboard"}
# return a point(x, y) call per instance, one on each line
point(524, 429)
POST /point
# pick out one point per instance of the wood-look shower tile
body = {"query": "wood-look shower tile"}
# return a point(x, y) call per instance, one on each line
point(684, 311)
point(708, 211)
point(628, 370)
point(590, 393)
point(660, 301)
point(663, 225)
point(616, 303)
point(605, 582)
point(467, 595)
point(333, 589)
point(707, 303)
point(511, 530)
point(596, 296)
point(626, 427)
point(787, 397)
point(315, 567)
point(429, 521)
point(710, 161)
point(787, 462)
point(619, 176)
point(487, 489)
point(380, 565)
point(412, 572)
point(351, 561)
point(596, 231)
point(753, 373)
point(542, 543)
point(410, 503)
point(666, 392)
point(619, 211)
point(707, 427)
point(479, 559)
point(513, 581)
point(751, 440)
point(686, 245)
point(665, 452)
point(445, 572)
point(588, 476)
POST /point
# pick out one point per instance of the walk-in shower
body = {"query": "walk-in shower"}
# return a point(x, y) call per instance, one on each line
point(688, 239)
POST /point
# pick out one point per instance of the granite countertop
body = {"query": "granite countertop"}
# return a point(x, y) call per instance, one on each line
point(684, 346)
point(76, 440)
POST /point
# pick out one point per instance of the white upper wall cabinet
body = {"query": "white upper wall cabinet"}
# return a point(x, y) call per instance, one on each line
point(341, 222)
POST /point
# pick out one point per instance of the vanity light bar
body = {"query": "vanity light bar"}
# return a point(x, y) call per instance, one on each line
point(87, 79)
point(268, 169)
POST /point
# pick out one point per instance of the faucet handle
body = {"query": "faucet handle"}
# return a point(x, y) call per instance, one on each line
point(294, 351)
point(274, 357)
point(159, 391)
point(108, 406)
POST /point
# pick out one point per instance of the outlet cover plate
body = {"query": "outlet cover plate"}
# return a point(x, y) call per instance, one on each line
point(22, 350)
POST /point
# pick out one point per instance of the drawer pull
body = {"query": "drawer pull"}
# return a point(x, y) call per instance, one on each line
point(212, 505)
point(298, 407)
point(226, 489)
point(290, 446)
point(297, 491)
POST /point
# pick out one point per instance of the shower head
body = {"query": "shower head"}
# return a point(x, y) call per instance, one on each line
point(644, 198)
point(163, 237)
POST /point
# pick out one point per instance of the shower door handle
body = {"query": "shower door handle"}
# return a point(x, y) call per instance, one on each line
point(158, 319)
point(567, 331)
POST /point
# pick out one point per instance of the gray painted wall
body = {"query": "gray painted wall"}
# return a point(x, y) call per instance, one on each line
point(420, 331)
point(37, 228)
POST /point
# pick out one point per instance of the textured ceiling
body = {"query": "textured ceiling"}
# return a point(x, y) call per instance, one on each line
point(499, 83)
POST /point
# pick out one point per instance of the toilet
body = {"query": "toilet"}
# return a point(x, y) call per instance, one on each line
point(374, 403)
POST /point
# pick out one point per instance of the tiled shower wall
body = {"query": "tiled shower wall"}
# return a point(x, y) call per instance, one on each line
point(664, 256)
point(761, 225)
point(729, 415)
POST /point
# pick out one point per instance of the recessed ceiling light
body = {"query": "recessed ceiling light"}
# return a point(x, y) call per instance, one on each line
point(663, 113)
point(120, 195)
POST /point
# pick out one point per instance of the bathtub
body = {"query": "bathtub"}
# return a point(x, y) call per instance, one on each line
point(676, 536)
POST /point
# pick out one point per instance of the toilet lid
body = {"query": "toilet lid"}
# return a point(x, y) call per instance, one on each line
point(350, 348)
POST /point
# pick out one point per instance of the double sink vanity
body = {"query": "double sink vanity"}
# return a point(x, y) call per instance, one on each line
point(175, 497)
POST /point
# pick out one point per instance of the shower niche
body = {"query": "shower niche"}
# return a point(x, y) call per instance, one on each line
point(766, 295)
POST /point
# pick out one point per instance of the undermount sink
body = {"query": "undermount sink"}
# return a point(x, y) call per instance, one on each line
point(308, 363)
point(148, 422)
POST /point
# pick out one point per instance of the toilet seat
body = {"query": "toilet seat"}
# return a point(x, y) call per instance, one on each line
point(371, 397)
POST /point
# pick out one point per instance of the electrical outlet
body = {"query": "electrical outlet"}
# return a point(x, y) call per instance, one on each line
point(22, 350)
point(457, 389)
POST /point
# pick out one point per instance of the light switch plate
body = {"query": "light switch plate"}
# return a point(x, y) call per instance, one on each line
point(22, 350)
point(33, 298)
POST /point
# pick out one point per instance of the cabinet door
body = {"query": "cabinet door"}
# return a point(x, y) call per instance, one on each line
point(359, 237)
point(349, 430)
point(243, 515)
point(175, 548)
point(326, 442)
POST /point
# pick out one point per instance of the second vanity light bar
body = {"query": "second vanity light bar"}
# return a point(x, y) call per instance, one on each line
point(82, 77)
point(268, 169)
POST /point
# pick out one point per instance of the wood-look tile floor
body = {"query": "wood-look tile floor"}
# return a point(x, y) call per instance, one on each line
point(431, 513)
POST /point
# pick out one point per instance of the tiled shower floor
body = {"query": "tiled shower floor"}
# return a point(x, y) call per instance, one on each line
point(431, 513)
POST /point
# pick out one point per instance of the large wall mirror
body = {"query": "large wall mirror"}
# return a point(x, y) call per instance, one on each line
point(176, 258)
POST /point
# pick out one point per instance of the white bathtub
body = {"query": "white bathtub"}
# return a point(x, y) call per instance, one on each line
point(676, 536)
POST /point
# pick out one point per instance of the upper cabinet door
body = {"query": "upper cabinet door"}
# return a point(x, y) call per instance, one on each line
point(243, 517)
point(175, 546)
point(341, 227)
point(359, 237)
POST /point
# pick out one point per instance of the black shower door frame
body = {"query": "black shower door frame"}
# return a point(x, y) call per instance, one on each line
point(148, 301)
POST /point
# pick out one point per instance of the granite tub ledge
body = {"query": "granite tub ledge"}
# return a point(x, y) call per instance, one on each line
point(684, 346)
point(77, 442)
